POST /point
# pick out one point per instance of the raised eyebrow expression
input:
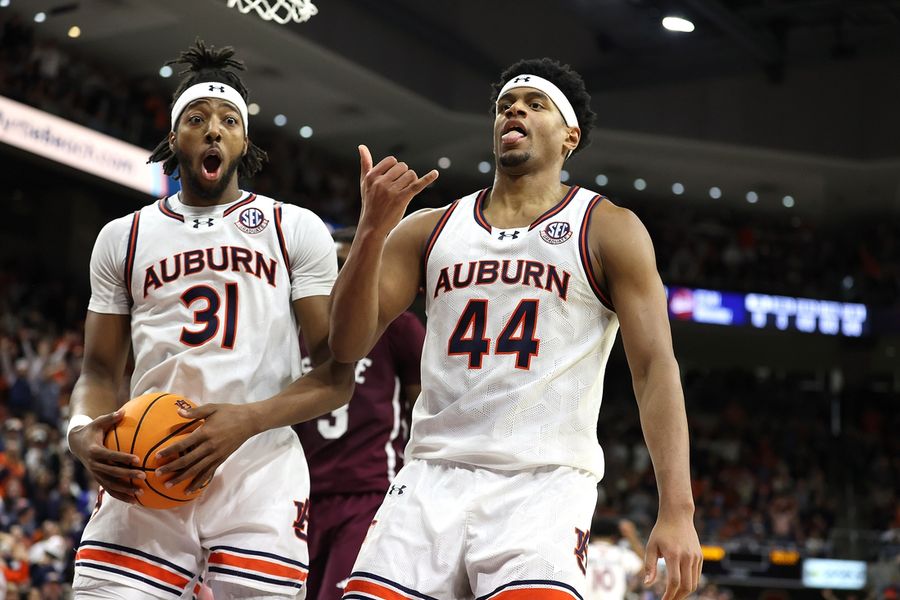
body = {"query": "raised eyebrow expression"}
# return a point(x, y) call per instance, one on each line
point(225, 109)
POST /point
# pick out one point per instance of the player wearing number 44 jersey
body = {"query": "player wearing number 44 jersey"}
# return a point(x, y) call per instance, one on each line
point(526, 284)
point(208, 287)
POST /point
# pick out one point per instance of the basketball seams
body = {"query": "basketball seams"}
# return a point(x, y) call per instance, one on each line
point(165, 439)
point(146, 425)
point(137, 427)
point(150, 453)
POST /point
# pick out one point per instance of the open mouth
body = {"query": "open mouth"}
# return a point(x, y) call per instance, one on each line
point(513, 134)
point(211, 165)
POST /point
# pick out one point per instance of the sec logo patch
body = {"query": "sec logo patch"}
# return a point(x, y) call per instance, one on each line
point(251, 220)
point(556, 232)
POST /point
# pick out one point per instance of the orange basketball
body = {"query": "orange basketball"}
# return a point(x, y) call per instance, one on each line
point(151, 423)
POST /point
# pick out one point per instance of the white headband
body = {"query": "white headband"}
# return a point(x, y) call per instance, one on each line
point(210, 89)
point(548, 87)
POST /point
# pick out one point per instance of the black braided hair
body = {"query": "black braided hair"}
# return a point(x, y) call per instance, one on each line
point(566, 79)
point(206, 63)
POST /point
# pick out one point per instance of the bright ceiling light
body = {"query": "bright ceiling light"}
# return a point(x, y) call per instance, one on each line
point(253, 108)
point(74, 31)
point(165, 71)
point(306, 132)
point(678, 24)
point(444, 162)
point(484, 167)
point(40, 17)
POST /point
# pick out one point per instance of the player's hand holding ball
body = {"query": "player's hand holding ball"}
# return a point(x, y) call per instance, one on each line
point(116, 471)
point(150, 423)
point(192, 461)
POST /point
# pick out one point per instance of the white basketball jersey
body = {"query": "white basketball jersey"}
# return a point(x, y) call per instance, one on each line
point(209, 291)
point(608, 568)
point(517, 341)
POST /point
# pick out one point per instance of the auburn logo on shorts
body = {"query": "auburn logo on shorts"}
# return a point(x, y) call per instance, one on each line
point(302, 521)
point(581, 548)
point(251, 220)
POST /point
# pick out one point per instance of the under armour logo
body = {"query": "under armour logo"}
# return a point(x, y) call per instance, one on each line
point(503, 235)
point(397, 488)
point(526, 79)
point(209, 222)
point(212, 88)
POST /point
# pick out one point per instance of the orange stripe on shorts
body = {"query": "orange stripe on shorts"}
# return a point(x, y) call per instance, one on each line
point(375, 589)
point(258, 565)
point(130, 562)
point(533, 594)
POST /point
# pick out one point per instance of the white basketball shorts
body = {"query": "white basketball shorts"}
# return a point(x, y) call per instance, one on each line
point(450, 531)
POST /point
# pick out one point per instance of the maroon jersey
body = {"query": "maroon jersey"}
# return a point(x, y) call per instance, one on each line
point(358, 448)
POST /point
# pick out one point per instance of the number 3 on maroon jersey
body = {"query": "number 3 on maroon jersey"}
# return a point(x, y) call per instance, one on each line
point(209, 315)
point(517, 337)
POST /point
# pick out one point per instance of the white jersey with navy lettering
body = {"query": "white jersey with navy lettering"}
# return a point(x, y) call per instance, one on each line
point(518, 338)
point(210, 291)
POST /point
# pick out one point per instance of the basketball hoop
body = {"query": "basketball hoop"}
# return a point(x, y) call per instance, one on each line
point(280, 11)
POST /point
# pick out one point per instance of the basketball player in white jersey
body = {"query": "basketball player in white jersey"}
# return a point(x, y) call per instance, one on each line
point(208, 287)
point(610, 565)
point(527, 283)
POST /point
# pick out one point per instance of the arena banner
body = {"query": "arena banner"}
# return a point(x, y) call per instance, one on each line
point(834, 574)
point(764, 311)
point(79, 147)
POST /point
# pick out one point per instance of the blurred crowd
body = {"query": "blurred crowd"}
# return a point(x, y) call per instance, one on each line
point(771, 463)
point(721, 248)
point(45, 496)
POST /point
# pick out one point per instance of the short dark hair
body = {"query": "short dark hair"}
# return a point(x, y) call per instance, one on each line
point(206, 63)
point(562, 76)
point(604, 526)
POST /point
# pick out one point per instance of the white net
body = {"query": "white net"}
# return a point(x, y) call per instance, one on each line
point(280, 11)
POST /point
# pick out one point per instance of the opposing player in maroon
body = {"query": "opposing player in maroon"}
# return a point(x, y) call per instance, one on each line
point(354, 452)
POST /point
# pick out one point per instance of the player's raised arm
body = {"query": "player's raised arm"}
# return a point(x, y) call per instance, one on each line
point(628, 263)
point(382, 272)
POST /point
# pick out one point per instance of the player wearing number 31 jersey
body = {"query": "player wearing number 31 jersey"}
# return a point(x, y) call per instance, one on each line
point(207, 287)
point(526, 284)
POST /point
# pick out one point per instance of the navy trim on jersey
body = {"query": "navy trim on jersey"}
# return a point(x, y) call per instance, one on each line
point(137, 552)
point(243, 202)
point(130, 254)
point(533, 582)
point(385, 580)
point(556, 209)
point(164, 209)
point(89, 565)
point(584, 251)
point(224, 571)
point(432, 239)
point(281, 243)
point(479, 210)
point(291, 561)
